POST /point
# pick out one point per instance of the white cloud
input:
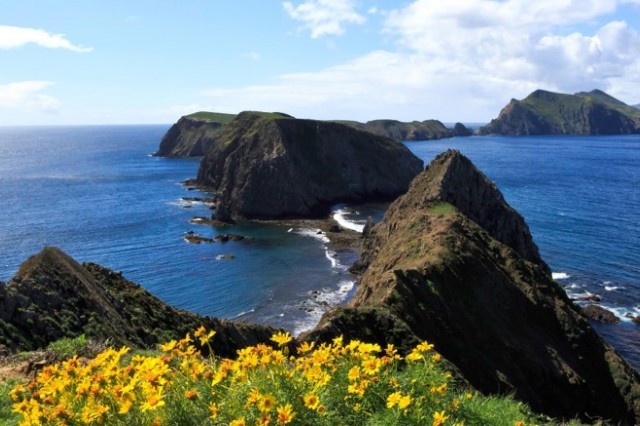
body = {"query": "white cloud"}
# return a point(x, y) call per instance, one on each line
point(14, 37)
point(324, 17)
point(463, 61)
point(26, 95)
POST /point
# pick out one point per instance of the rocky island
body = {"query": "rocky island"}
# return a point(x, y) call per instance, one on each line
point(453, 264)
point(194, 134)
point(549, 113)
point(273, 166)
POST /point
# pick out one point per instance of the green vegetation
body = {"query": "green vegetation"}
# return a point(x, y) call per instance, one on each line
point(68, 347)
point(7, 416)
point(441, 209)
point(216, 117)
point(353, 383)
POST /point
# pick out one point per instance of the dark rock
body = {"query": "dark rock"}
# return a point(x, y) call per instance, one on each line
point(335, 228)
point(547, 113)
point(453, 264)
point(52, 296)
point(600, 314)
point(588, 298)
point(194, 238)
point(460, 129)
point(272, 166)
point(193, 135)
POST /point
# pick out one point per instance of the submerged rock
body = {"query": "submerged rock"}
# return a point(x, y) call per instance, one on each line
point(272, 166)
point(600, 314)
point(53, 296)
point(453, 264)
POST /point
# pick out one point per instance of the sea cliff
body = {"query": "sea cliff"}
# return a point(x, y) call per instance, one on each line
point(272, 166)
point(193, 135)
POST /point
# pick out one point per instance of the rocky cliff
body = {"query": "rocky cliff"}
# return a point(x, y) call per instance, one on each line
point(548, 113)
point(453, 264)
point(53, 296)
point(193, 135)
point(410, 131)
point(275, 166)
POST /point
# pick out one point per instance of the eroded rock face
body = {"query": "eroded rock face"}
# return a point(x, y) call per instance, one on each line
point(271, 166)
point(53, 296)
point(193, 135)
point(548, 113)
point(453, 264)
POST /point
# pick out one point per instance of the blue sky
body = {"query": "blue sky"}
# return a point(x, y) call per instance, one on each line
point(143, 61)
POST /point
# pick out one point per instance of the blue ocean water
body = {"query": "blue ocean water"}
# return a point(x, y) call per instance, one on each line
point(96, 192)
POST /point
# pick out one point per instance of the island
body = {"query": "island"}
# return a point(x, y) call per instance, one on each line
point(549, 113)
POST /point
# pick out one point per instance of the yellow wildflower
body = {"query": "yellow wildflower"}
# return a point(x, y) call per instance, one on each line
point(169, 346)
point(354, 373)
point(424, 347)
point(414, 356)
point(439, 389)
point(285, 414)
point(519, 423)
point(393, 399)
point(439, 418)
point(266, 403)
point(311, 401)
point(282, 338)
point(306, 347)
point(436, 357)
point(214, 410)
point(203, 336)
point(404, 402)
point(191, 394)
point(238, 422)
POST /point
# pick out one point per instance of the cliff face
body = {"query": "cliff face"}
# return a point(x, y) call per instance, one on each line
point(453, 264)
point(410, 131)
point(53, 296)
point(193, 135)
point(274, 166)
point(546, 113)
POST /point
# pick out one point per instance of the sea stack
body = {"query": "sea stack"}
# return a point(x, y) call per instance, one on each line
point(271, 166)
point(453, 264)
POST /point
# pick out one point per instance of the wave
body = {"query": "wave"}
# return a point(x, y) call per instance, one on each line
point(310, 232)
point(560, 275)
point(339, 216)
point(319, 302)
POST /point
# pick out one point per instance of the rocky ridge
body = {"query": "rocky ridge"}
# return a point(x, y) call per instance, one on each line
point(453, 264)
point(410, 131)
point(52, 296)
point(193, 135)
point(548, 113)
point(273, 166)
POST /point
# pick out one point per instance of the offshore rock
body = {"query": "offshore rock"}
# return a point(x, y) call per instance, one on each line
point(193, 135)
point(273, 166)
point(410, 131)
point(548, 113)
point(53, 296)
point(453, 264)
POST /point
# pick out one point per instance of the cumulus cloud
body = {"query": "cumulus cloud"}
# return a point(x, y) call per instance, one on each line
point(14, 37)
point(324, 17)
point(27, 95)
point(464, 60)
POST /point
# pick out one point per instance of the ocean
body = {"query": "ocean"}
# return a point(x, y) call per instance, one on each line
point(98, 194)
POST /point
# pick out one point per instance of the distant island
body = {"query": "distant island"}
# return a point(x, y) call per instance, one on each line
point(194, 134)
point(549, 113)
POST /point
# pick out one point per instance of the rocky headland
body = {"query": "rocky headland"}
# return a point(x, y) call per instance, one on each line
point(52, 296)
point(549, 113)
point(273, 166)
point(411, 130)
point(453, 264)
point(193, 135)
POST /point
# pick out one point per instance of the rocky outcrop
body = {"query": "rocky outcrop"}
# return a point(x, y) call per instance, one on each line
point(193, 135)
point(53, 296)
point(548, 113)
point(272, 166)
point(453, 264)
point(410, 131)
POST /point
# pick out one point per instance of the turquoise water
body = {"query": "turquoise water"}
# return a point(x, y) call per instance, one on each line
point(96, 192)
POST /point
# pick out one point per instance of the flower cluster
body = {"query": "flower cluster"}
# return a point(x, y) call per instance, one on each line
point(330, 383)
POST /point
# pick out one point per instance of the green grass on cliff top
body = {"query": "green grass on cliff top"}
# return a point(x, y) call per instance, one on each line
point(214, 117)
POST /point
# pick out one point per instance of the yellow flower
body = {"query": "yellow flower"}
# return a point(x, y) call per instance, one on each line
point(436, 357)
point(125, 406)
point(404, 402)
point(311, 401)
point(203, 336)
point(214, 410)
point(306, 347)
point(153, 401)
point(282, 338)
point(285, 414)
point(191, 394)
point(439, 418)
point(238, 422)
point(354, 373)
point(468, 395)
point(267, 403)
point(414, 356)
point(169, 346)
point(519, 423)
point(393, 399)
point(439, 389)
point(424, 347)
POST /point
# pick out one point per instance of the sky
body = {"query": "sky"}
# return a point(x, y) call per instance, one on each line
point(80, 62)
